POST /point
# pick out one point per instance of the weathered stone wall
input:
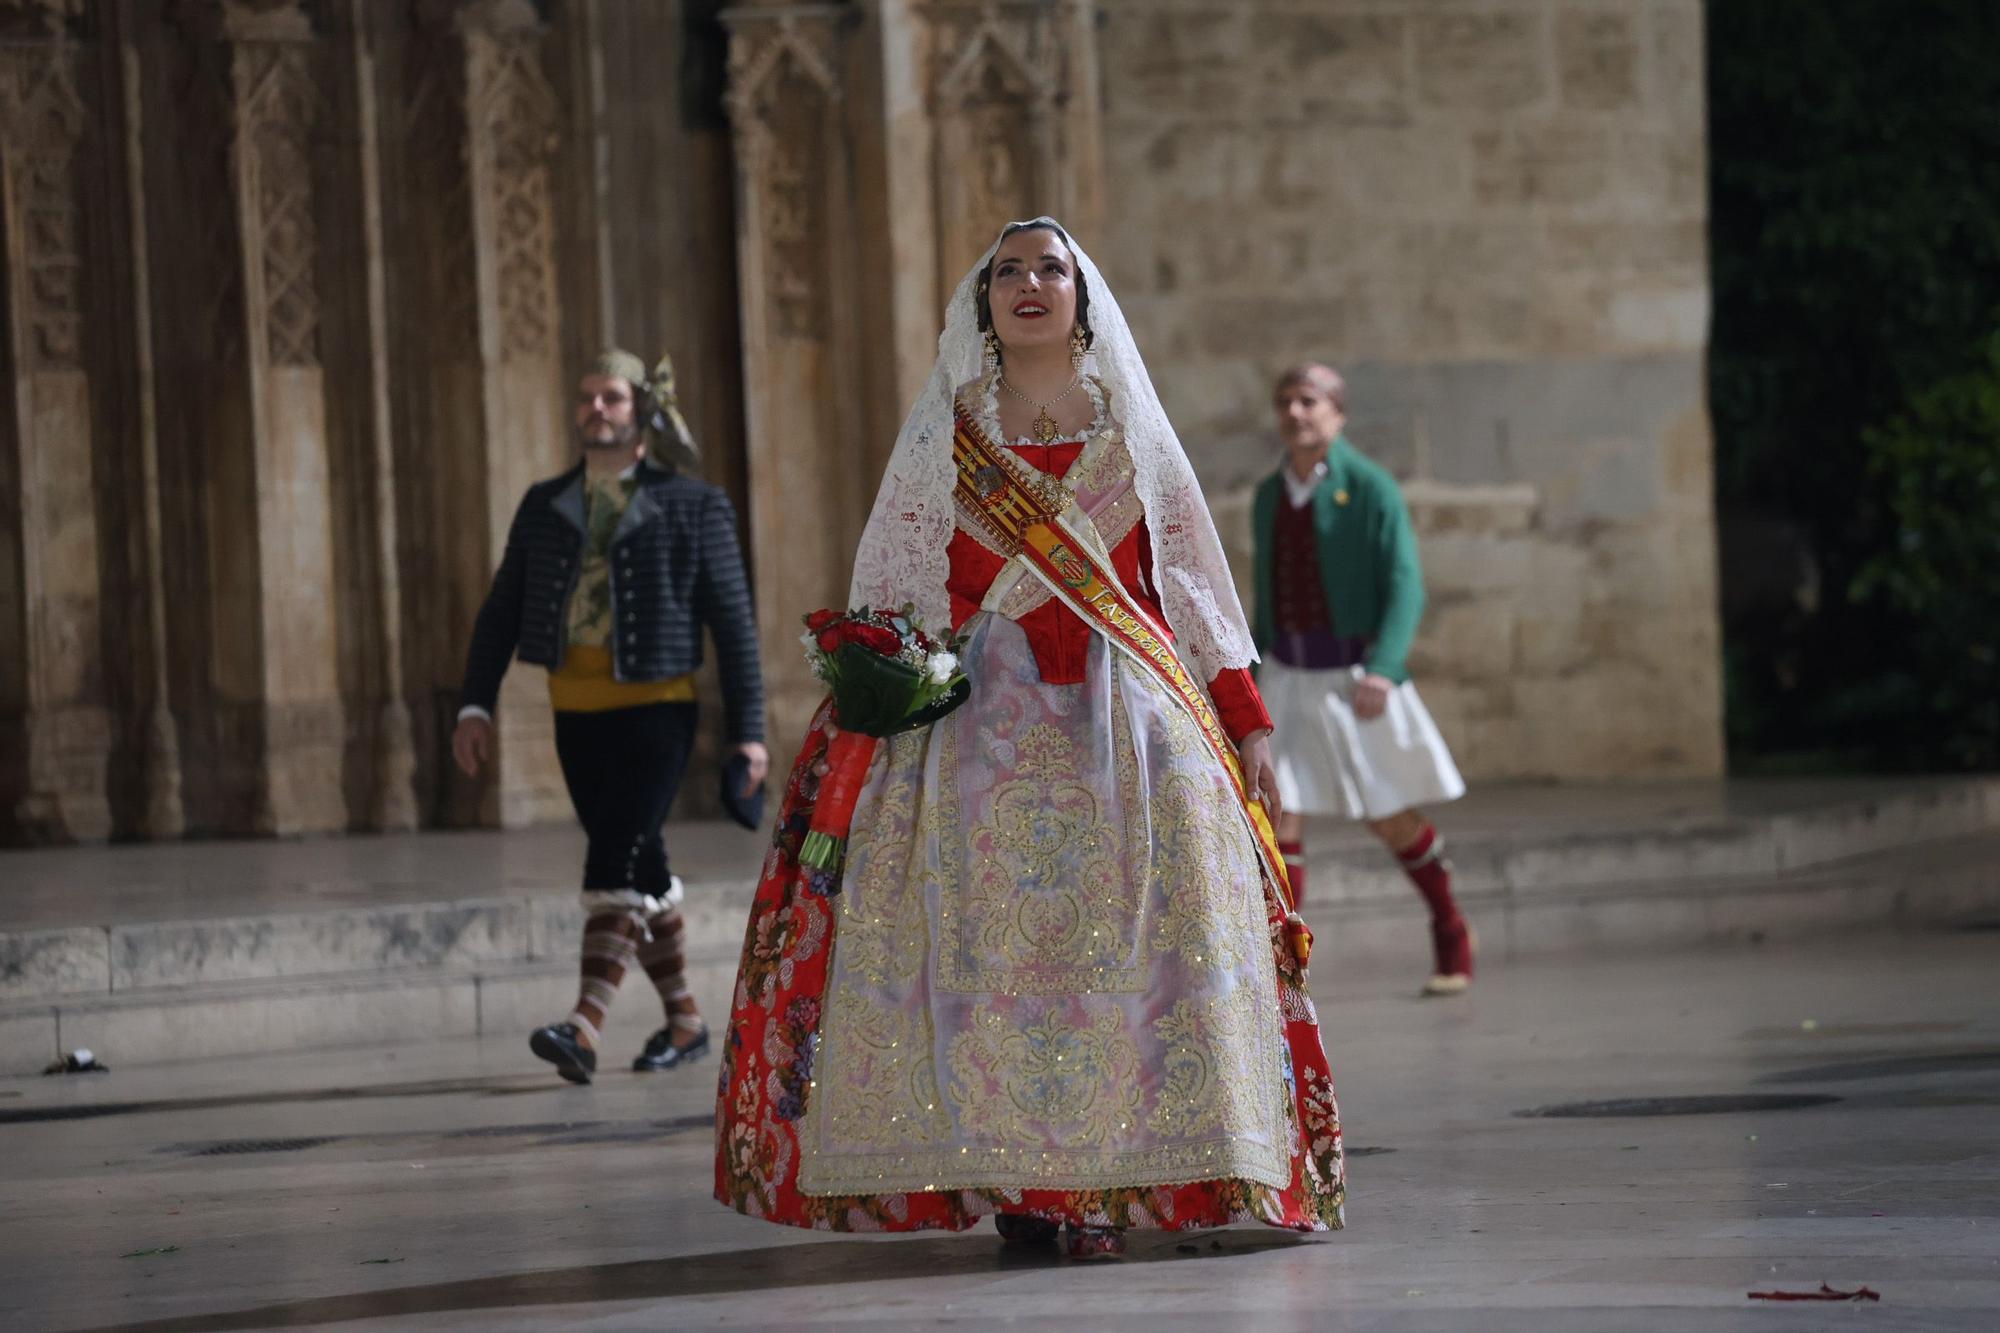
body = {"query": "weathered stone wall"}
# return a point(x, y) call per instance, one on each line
point(1491, 216)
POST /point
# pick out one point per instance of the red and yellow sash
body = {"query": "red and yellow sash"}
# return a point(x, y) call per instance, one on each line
point(1025, 526)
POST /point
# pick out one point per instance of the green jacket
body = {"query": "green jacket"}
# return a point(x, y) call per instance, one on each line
point(1367, 557)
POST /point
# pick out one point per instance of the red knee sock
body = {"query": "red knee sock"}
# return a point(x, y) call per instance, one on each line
point(1294, 852)
point(1423, 861)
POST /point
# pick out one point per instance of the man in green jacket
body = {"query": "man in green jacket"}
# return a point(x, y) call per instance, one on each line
point(1339, 594)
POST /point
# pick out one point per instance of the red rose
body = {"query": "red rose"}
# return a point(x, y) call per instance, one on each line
point(819, 620)
point(829, 640)
point(876, 639)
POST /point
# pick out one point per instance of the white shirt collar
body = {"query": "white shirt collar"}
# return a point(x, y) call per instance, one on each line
point(1301, 492)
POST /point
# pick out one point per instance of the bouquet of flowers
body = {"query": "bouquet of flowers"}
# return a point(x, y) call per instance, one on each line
point(886, 676)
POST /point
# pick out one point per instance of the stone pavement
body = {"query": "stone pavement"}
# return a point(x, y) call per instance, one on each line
point(457, 1186)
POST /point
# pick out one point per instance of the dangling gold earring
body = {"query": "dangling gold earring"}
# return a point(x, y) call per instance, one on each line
point(992, 349)
point(1079, 347)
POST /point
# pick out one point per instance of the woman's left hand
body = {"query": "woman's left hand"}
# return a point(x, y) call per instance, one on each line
point(1258, 774)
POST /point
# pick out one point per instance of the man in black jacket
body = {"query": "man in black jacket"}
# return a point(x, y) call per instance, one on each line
point(611, 571)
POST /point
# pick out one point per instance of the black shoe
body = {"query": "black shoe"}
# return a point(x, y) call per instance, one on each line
point(661, 1053)
point(1021, 1229)
point(557, 1044)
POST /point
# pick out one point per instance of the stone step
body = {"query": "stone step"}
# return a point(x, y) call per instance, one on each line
point(390, 1006)
point(1954, 883)
point(458, 937)
point(348, 941)
point(1545, 850)
point(467, 935)
point(402, 927)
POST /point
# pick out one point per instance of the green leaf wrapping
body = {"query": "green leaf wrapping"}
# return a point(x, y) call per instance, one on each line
point(881, 696)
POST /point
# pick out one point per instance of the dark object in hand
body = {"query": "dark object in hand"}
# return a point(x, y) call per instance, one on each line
point(745, 810)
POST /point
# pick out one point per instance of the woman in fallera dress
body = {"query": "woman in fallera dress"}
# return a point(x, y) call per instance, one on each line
point(1054, 979)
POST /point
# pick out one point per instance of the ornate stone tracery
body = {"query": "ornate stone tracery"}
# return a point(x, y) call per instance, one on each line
point(784, 98)
point(45, 120)
point(1007, 91)
point(278, 109)
point(513, 111)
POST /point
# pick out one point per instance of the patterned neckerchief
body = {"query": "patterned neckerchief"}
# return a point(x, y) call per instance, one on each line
point(605, 499)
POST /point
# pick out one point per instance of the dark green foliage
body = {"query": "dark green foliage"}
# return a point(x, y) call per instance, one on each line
point(1937, 467)
point(1855, 171)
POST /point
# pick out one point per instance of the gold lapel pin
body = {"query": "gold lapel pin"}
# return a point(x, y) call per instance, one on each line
point(1340, 497)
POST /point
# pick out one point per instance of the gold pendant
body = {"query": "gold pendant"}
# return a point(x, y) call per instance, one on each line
point(1045, 427)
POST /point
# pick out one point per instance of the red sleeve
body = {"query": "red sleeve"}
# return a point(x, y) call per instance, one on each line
point(1238, 706)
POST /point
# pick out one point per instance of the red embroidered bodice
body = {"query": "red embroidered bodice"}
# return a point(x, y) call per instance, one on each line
point(1060, 640)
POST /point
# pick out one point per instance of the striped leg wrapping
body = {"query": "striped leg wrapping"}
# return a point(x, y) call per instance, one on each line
point(664, 957)
point(610, 944)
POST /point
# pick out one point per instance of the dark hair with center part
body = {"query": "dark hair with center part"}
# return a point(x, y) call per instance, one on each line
point(982, 290)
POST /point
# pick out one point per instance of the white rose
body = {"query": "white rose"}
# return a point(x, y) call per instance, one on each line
point(942, 667)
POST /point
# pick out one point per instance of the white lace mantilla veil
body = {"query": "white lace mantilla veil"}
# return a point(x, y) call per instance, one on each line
point(902, 555)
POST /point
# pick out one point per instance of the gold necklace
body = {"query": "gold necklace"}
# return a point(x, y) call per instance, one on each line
point(1044, 427)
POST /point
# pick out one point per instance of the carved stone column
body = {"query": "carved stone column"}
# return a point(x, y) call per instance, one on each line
point(480, 412)
point(54, 727)
point(161, 814)
point(381, 761)
point(279, 80)
point(234, 204)
point(513, 118)
point(1013, 101)
point(809, 485)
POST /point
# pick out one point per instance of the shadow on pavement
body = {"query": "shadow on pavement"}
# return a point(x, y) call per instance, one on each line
point(826, 1263)
point(503, 1085)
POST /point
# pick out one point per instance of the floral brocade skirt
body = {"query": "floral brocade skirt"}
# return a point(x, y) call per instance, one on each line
point(1049, 979)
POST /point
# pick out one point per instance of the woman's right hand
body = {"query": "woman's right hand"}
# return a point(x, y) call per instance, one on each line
point(472, 743)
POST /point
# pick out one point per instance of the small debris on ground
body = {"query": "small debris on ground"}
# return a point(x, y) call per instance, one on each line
point(1825, 1293)
point(78, 1061)
point(142, 1254)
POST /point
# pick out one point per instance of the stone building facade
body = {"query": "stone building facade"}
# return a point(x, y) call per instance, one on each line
point(1492, 216)
point(294, 291)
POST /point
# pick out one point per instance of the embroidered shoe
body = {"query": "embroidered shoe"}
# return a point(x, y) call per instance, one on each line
point(1093, 1242)
point(661, 1051)
point(557, 1043)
